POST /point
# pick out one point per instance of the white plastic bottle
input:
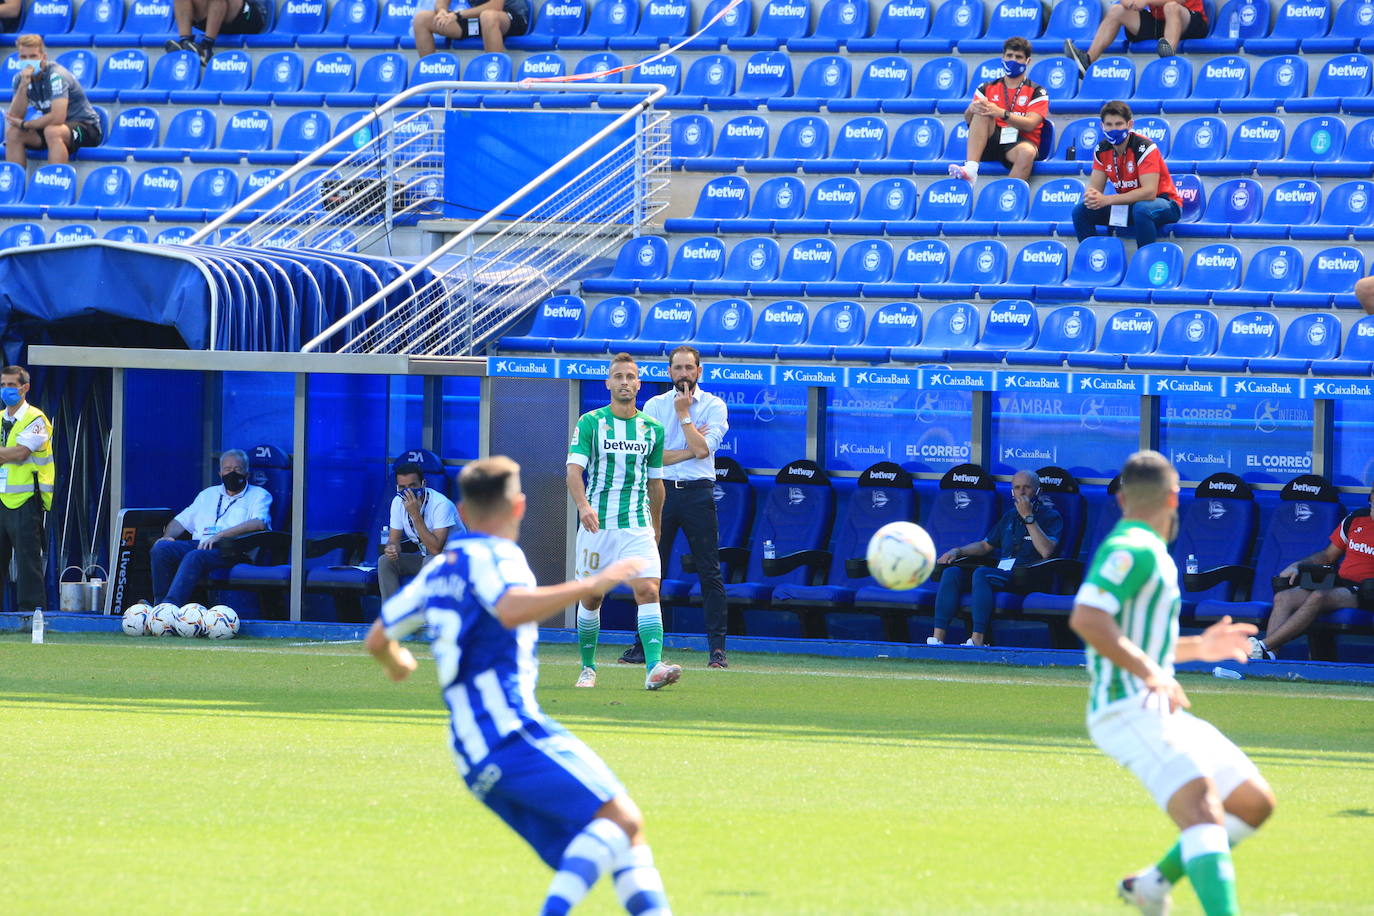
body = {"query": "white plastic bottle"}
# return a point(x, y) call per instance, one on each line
point(38, 626)
point(769, 551)
point(1191, 567)
point(1233, 25)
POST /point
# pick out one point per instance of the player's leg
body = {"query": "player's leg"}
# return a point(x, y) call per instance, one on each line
point(1312, 607)
point(1364, 294)
point(1021, 159)
point(58, 139)
point(1204, 847)
point(987, 581)
point(980, 129)
point(1176, 19)
point(587, 559)
point(1114, 20)
point(640, 544)
point(1285, 603)
point(493, 26)
point(703, 537)
point(947, 599)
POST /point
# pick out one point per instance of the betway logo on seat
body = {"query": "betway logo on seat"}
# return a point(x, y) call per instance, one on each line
point(949, 197)
point(562, 9)
point(700, 254)
point(823, 255)
point(334, 67)
point(1252, 327)
point(763, 69)
point(665, 9)
point(1043, 257)
point(888, 73)
point(229, 64)
point(303, 9)
point(727, 192)
point(965, 478)
point(1295, 197)
point(896, 11)
point(1306, 12)
point(441, 68)
point(152, 9)
point(126, 63)
point(658, 69)
point(1217, 260)
point(911, 319)
point(401, 10)
point(744, 130)
point(541, 66)
point(1132, 324)
point(808, 473)
point(562, 311)
point(1329, 263)
point(50, 9)
point(779, 317)
point(52, 179)
point(1017, 12)
point(1009, 317)
point(926, 256)
point(246, 122)
point(1349, 70)
point(1226, 485)
point(1061, 197)
point(788, 10)
point(1306, 488)
point(882, 475)
point(162, 182)
point(1259, 133)
point(835, 197)
point(1114, 73)
point(672, 314)
point(863, 133)
point(1223, 72)
point(143, 121)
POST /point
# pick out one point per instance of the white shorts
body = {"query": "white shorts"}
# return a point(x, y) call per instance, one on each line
point(1166, 751)
point(597, 550)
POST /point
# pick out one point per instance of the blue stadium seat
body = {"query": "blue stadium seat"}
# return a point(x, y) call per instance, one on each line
point(611, 323)
point(1073, 19)
point(884, 494)
point(955, 21)
point(778, 198)
point(175, 72)
point(864, 264)
point(640, 258)
point(888, 200)
point(1211, 268)
point(722, 198)
point(1109, 77)
point(21, 235)
point(1276, 269)
point(1057, 74)
point(155, 190)
point(147, 23)
point(806, 262)
point(212, 191)
point(711, 76)
point(1051, 208)
point(1011, 324)
point(1186, 335)
point(133, 129)
point(779, 324)
point(734, 498)
point(1002, 201)
point(104, 18)
point(80, 62)
point(1342, 84)
point(734, 21)
point(753, 260)
point(294, 18)
point(926, 261)
point(1331, 277)
point(106, 186)
point(348, 20)
point(1278, 80)
point(832, 200)
point(1217, 527)
point(701, 258)
point(1010, 18)
point(1129, 332)
point(824, 79)
point(801, 139)
point(1218, 80)
point(1348, 208)
point(916, 140)
point(76, 232)
point(1309, 338)
point(742, 139)
point(557, 318)
point(303, 132)
point(1253, 20)
point(542, 65)
point(1254, 140)
point(1294, 203)
point(51, 19)
point(897, 324)
point(604, 68)
point(837, 325)
point(1201, 140)
point(838, 22)
point(1038, 270)
point(1315, 140)
point(1081, 135)
point(663, 22)
point(666, 72)
point(1154, 267)
point(1355, 156)
point(779, 22)
point(949, 200)
point(278, 72)
point(1167, 79)
point(766, 75)
point(133, 235)
point(256, 181)
point(609, 19)
point(666, 324)
point(882, 81)
point(1357, 357)
point(190, 129)
point(1352, 27)
point(976, 265)
point(1190, 188)
point(122, 70)
point(724, 321)
point(244, 132)
point(379, 78)
point(942, 78)
point(861, 140)
point(11, 182)
point(1296, 20)
point(330, 74)
point(952, 330)
point(1232, 204)
point(52, 185)
point(1068, 330)
point(227, 71)
point(898, 20)
point(1249, 335)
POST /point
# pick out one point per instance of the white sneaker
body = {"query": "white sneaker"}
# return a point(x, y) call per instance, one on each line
point(932, 641)
point(958, 171)
point(1146, 892)
point(970, 642)
point(587, 678)
point(662, 675)
point(1260, 651)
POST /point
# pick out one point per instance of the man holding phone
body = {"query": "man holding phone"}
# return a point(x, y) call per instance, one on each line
point(695, 422)
point(421, 521)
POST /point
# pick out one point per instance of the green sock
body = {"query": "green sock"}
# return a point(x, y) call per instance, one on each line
point(1171, 866)
point(651, 633)
point(588, 631)
point(1207, 860)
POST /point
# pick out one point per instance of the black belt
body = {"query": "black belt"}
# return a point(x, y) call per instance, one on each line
point(701, 482)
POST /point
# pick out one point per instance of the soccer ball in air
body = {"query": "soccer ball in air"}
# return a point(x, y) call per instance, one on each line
point(900, 555)
point(190, 620)
point(163, 622)
point(221, 622)
point(136, 619)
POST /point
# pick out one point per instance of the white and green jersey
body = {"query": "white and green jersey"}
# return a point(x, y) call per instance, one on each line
point(620, 456)
point(1134, 579)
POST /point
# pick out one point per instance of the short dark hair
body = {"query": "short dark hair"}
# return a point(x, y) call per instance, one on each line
point(19, 371)
point(488, 484)
point(1017, 43)
point(403, 468)
point(1147, 478)
point(684, 348)
point(1118, 108)
point(623, 358)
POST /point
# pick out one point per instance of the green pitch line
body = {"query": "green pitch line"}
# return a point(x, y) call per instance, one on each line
point(177, 776)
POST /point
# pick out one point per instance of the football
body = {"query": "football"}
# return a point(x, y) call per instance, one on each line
point(163, 621)
point(136, 619)
point(190, 620)
point(901, 555)
point(221, 622)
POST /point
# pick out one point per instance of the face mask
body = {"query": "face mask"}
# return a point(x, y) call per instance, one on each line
point(1115, 137)
point(419, 493)
point(1014, 68)
point(10, 396)
point(30, 64)
point(234, 481)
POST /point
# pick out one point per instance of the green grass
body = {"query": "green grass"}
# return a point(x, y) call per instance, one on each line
point(168, 776)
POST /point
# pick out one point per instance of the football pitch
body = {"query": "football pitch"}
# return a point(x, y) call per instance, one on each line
point(177, 776)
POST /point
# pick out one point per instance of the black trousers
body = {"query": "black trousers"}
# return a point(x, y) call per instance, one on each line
point(21, 534)
point(694, 512)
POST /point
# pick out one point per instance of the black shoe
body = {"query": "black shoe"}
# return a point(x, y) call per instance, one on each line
point(718, 659)
point(1164, 49)
point(1080, 58)
point(179, 44)
point(206, 49)
point(633, 655)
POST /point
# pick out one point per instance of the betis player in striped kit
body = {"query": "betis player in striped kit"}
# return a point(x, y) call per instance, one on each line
point(1127, 614)
point(619, 507)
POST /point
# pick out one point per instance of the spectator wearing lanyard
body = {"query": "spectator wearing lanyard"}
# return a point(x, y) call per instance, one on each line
point(1005, 118)
point(1145, 198)
point(421, 521)
point(233, 508)
point(694, 423)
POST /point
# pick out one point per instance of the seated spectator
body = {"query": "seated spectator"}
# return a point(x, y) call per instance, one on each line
point(1005, 118)
point(1145, 198)
point(65, 122)
point(1028, 532)
point(421, 519)
point(495, 20)
point(1295, 609)
point(1364, 294)
point(1170, 21)
point(213, 18)
point(233, 508)
point(11, 11)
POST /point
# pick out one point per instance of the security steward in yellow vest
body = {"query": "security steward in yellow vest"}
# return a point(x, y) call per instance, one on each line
point(26, 485)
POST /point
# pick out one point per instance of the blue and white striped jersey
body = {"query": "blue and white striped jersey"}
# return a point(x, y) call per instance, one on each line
point(487, 673)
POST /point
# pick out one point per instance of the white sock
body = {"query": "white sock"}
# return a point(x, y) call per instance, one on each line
point(1237, 830)
point(971, 169)
point(638, 883)
point(1203, 840)
point(588, 857)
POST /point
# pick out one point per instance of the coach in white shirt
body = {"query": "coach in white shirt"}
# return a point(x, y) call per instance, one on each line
point(233, 508)
point(694, 422)
point(422, 520)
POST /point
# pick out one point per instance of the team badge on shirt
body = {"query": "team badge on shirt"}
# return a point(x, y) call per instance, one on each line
point(1117, 566)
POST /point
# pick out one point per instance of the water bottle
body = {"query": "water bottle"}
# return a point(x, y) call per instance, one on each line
point(1227, 674)
point(1191, 568)
point(1233, 25)
point(769, 551)
point(38, 626)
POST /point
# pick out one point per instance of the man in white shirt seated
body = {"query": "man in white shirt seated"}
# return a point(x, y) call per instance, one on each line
point(233, 508)
point(421, 522)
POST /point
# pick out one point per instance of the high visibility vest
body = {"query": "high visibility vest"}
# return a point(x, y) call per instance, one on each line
point(38, 473)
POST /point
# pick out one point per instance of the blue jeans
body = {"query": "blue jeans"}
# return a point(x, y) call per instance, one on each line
point(987, 580)
point(178, 567)
point(1146, 217)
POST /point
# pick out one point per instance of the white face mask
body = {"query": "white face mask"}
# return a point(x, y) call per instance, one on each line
point(30, 64)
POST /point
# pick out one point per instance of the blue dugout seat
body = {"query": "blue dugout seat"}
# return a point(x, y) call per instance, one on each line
point(726, 197)
point(946, 201)
point(1248, 336)
point(1220, 80)
point(735, 503)
point(611, 322)
point(1291, 204)
point(939, 79)
point(1218, 527)
point(779, 324)
point(1277, 81)
point(1186, 335)
point(1352, 27)
point(952, 330)
point(780, 198)
point(79, 61)
point(557, 318)
point(765, 75)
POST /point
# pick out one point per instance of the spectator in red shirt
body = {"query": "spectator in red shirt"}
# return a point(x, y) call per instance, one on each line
point(1295, 609)
point(1143, 189)
point(1005, 118)
point(1168, 20)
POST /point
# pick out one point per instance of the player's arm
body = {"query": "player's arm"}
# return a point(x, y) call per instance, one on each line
point(395, 659)
point(578, 491)
point(19, 103)
point(656, 495)
point(1327, 556)
point(57, 114)
point(1223, 641)
point(530, 604)
point(173, 530)
point(1098, 629)
point(1148, 190)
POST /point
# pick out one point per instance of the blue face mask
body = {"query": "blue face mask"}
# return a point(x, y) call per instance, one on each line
point(10, 396)
point(30, 64)
point(1014, 68)
point(1115, 136)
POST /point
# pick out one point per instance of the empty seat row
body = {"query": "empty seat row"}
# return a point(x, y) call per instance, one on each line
point(1010, 331)
point(24, 235)
point(1043, 270)
point(1238, 208)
